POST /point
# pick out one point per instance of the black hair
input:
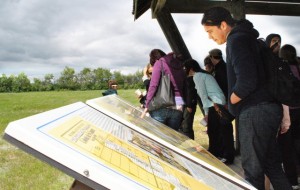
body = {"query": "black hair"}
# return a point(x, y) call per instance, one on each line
point(214, 16)
point(270, 37)
point(155, 55)
point(207, 60)
point(288, 53)
point(193, 64)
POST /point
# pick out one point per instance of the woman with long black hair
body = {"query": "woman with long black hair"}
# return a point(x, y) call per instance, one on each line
point(212, 98)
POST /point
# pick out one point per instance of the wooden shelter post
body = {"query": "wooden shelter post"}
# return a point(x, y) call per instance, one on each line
point(238, 9)
point(172, 33)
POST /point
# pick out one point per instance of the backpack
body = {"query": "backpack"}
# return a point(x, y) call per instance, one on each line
point(281, 83)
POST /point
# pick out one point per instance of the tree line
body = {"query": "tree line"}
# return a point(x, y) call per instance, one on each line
point(86, 79)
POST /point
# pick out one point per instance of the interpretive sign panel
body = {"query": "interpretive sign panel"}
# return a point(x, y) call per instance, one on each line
point(106, 145)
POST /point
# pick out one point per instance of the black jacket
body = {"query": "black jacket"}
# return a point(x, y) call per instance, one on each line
point(221, 77)
point(246, 77)
point(191, 93)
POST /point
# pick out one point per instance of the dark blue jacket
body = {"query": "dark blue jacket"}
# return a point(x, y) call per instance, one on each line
point(245, 74)
point(109, 92)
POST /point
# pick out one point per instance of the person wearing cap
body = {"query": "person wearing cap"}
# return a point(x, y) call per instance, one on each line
point(226, 132)
point(112, 88)
point(258, 115)
point(220, 72)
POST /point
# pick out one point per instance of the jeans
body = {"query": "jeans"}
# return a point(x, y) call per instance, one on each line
point(260, 153)
point(168, 116)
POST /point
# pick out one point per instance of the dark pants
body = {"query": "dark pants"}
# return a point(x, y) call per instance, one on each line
point(228, 151)
point(188, 121)
point(260, 153)
point(213, 132)
point(220, 134)
point(288, 157)
point(295, 130)
point(288, 143)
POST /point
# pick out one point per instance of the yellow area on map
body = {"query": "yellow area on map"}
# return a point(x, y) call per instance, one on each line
point(123, 157)
point(119, 107)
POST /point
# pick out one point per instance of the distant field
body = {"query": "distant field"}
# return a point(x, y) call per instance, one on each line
point(21, 171)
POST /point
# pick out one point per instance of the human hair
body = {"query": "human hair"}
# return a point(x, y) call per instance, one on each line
point(216, 57)
point(155, 55)
point(207, 61)
point(288, 53)
point(270, 37)
point(215, 53)
point(214, 16)
point(148, 72)
point(193, 64)
point(111, 83)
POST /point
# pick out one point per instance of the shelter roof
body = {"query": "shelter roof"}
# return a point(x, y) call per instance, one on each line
point(256, 7)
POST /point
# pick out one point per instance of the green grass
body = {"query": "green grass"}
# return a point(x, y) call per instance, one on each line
point(22, 171)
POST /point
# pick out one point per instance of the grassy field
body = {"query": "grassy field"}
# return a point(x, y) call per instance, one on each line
point(21, 171)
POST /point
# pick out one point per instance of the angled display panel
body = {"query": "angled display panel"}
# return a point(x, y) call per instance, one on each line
point(106, 145)
point(209, 169)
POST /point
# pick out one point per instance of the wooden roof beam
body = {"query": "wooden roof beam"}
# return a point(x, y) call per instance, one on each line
point(278, 9)
point(172, 33)
point(257, 8)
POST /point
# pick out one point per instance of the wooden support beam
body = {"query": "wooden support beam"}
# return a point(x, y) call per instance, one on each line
point(193, 6)
point(237, 8)
point(140, 7)
point(172, 33)
point(276, 1)
point(278, 9)
point(257, 8)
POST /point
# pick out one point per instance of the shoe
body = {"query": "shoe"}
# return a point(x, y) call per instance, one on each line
point(228, 162)
point(222, 159)
point(295, 187)
point(225, 161)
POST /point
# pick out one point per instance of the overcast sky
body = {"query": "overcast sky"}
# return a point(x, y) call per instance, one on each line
point(41, 37)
